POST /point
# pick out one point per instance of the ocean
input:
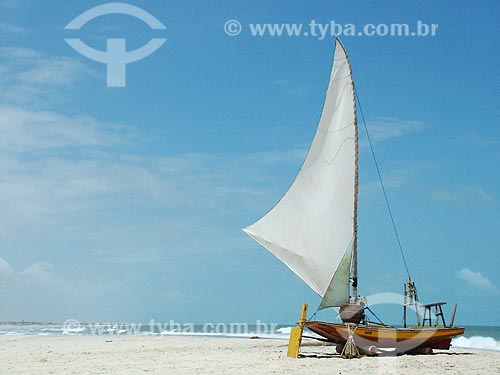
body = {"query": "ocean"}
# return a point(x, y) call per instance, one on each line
point(475, 337)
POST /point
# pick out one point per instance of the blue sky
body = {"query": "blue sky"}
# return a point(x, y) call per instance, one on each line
point(126, 204)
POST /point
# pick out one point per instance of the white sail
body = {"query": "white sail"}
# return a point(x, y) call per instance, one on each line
point(312, 226)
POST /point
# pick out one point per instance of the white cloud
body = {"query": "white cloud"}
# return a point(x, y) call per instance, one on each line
point(29, 76)
point(477, 280)
point(53, 164)
point(52, 71)
point(281, 82)
point(6, 269)
point(294, 155)
point(56, 167)
point(39, 293)
point(14, 4)
point(26, 130)
point(385, 128)
point(475, 139)
point(461, 196)
point(40, 272)
point(11, 53)
point(288, 88)
point(9, 28)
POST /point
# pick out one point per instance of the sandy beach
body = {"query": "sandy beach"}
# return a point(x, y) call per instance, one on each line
point(214, 355)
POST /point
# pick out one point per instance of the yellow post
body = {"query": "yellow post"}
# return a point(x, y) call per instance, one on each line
point(296, 335)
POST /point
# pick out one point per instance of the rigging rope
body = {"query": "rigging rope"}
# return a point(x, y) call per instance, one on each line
point(382, 184)
point(376, 317)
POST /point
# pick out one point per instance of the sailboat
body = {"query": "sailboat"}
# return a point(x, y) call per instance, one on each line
point(313, 229)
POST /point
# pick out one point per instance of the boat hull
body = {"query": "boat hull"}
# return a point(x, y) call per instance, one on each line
point(396, 340)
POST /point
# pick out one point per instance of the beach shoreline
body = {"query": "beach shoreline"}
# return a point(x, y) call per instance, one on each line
point(79, 354)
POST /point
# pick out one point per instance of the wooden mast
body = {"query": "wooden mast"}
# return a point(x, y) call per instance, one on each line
point(356, 184)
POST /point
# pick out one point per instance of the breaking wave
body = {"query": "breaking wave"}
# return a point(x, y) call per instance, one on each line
point(476, 342)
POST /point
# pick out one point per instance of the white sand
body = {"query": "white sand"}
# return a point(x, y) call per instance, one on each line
point(213, 355)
